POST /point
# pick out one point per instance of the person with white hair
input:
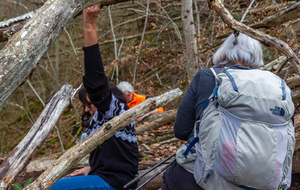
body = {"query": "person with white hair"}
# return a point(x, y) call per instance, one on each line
point(238, 51)
point(134, 99)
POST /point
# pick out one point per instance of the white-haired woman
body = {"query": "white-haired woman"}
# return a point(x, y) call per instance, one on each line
point(238, 51)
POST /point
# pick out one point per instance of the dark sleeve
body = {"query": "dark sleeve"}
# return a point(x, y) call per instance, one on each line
point(185, 118)
point(95, 80)
point(191, 105)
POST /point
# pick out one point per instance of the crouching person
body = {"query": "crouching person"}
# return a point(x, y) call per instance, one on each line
point(237, 120)
point(115, 162)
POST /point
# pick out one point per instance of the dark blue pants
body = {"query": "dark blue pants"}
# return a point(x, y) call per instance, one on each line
point(177, 178)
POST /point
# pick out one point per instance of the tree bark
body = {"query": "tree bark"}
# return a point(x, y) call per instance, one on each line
point(10, 26)
point(263, 38)
point(22, 52)
point(293, 82)
point(190, 39)
point(73, 155)
point(296, 97)
point(285, 15)
point(163, 119)
point(270, 8)
point(22, 153)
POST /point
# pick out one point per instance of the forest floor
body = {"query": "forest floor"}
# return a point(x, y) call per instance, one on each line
point(35, 174)
point(22, 178)
point(150, 155)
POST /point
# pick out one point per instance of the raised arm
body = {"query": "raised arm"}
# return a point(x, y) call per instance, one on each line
point(89, 25)
point(95, 80)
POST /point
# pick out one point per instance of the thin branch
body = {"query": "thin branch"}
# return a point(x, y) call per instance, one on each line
point(35, 92)
point(198, 18)
point(173, 24)
point(56, 73)
point(50, 62)
point(141, 42)
point(22, 108)
point(75, 52)
point(120, 47)
point(18, 3)
point(247, 11)
point(287, 14)
point(276, 4)
point(115, 44)
point(26, 102)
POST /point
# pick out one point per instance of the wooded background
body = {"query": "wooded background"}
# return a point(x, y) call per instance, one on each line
point(155, 45)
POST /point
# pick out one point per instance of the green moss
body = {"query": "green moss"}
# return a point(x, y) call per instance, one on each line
point(54, 141)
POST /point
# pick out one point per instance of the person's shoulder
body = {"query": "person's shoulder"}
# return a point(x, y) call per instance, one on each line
point(203, 73)
point(239, 67)
point(139, 96)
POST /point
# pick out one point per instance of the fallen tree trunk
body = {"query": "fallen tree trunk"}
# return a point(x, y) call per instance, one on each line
point(163, 119)
point(47, 162)
point(270, 8)
point(13, 25)
point(20, 55)
point(73, 155)
point(283, 16)
point(22, 153)
point(296, 97)
point(263, 38)
point(270, 66)
point(293, 81)
point(172, 140)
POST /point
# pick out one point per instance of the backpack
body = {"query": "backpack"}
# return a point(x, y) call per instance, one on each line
point(245, 138)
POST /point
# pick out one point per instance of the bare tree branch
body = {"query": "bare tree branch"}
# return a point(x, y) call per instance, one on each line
point(141, 42)
point(264, 38)
point(285, 15)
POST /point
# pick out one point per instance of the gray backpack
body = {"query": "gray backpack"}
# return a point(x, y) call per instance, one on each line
point(245, 138)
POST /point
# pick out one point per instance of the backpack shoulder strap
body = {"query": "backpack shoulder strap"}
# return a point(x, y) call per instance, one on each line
point(214, 70)
point(195, 139)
